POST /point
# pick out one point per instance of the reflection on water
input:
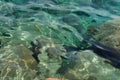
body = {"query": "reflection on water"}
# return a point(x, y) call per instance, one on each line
point(43, 39)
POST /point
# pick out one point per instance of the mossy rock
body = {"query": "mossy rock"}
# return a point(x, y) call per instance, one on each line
point(108, 34)
point(88, 66)
point(49, 54)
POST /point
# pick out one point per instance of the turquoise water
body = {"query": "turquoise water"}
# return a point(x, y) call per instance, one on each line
point(49, 35)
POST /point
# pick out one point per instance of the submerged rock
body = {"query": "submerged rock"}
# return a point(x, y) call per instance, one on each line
point(26, 55)
point(17, 61)
point(108, 34)
point(74, 21)
point(106, 41)
point(88, 66)
point(49, 54)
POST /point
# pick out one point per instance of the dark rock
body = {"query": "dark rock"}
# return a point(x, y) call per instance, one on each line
point(106, 52)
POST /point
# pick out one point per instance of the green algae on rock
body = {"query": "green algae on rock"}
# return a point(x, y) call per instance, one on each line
point(74, 21)
point(5, 36)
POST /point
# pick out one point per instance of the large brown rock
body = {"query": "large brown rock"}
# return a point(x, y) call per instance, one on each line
point(109, 34)
point(17, 62)
point(26, 55)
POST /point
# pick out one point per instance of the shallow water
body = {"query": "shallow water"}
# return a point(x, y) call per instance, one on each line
point(56, 29)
